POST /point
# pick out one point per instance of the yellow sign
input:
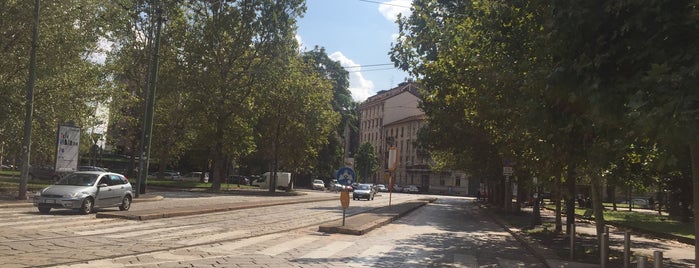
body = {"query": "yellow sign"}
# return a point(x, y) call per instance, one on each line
point(344, 198)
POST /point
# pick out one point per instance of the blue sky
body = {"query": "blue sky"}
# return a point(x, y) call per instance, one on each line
point(356, 33)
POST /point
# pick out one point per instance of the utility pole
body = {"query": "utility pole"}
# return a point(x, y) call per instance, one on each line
point(149, 105)
point(29, 106)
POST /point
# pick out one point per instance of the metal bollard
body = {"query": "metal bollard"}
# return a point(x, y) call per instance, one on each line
point(604, 251)
point(658, 259)
point(627, 249)
point(572, 241)
point(641, 262)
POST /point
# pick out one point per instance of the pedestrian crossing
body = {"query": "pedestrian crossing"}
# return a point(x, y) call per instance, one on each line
point(301, 249)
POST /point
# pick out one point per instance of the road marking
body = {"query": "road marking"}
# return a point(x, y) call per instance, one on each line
point(213, 238)
point(288, 245)
point(328, 250)
point(15, 222)
point(65, 224)
point(230, 247)
point(145, 232)
point(122, 227)
point(182, 234)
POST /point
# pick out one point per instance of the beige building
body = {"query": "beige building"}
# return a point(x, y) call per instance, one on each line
point(392, 118)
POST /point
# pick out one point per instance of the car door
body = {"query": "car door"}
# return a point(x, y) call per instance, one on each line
point(105, 194)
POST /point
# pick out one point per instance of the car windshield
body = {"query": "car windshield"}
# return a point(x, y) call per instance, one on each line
point(363, 187)
point(78, 180)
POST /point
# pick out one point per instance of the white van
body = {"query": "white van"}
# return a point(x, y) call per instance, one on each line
point(283, 180)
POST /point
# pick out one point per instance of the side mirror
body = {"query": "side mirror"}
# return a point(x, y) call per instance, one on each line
point(102, 185)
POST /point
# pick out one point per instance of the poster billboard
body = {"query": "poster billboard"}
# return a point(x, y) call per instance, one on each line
point(68, 147)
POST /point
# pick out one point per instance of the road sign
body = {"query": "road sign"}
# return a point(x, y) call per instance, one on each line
point(345, 176)
point(507, 171)
point(344, 199)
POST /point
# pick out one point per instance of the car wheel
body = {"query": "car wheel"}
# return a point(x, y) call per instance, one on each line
point(125, 203)
point(87, 206)
point(44, 210)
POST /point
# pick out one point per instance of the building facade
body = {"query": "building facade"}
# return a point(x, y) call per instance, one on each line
point(391, 119)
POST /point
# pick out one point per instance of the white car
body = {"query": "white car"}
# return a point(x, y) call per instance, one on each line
point(411, 189)
point(318, 185)
point(194, 176)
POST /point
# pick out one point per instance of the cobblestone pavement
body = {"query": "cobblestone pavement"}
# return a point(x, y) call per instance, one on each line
point(448, 233)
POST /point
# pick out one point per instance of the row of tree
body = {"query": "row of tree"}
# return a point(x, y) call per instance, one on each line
point(233, 87)
point(600, 92)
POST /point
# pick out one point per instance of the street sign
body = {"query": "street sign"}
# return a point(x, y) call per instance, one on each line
point(345, 176)
point(344, 199)
point(507, 171)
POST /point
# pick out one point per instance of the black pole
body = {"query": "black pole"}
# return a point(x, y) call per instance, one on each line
point(29, 106)
point(150, 105)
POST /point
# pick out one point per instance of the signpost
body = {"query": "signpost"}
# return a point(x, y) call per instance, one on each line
point(344, 200)
point(345, 176)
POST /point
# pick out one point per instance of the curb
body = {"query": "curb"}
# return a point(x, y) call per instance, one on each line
point(187, 211)
point(363, 223)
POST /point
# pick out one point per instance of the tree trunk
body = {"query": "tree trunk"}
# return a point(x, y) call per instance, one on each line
point(597, 205)
point(556, 195)
point(570, 203)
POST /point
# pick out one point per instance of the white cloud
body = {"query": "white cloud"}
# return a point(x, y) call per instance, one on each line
point(391, 9)
point(300, 42)
point(360, 87)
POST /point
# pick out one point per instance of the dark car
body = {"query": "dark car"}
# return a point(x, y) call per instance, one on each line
point(44, 173)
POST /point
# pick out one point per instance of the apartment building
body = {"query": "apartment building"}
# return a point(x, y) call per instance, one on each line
point(392, 118)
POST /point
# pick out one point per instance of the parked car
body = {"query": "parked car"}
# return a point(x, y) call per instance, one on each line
point(411, 189)
point(397, 188)
point(363, 191)
point(86, 191)
point(638, 203)
point(238, 179)
point(91, 168)
point(194, 176)
point(381, 188)
point(44, 173)
point(318, 185)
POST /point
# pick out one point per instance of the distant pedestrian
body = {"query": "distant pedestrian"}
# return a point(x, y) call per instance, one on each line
point(478, 195)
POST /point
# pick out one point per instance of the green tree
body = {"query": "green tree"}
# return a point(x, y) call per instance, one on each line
point(366, 162)
point(331, 156)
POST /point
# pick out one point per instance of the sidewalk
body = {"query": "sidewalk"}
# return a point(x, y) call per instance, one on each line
point(675, 254)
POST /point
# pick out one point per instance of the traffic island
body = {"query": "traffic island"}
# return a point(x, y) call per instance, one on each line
point(365, 222)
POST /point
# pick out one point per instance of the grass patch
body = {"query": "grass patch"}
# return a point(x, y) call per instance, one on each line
point(643, 221)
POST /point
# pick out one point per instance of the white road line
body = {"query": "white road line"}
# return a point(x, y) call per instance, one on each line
point(230, 247)
point(328, 250)
point(288, 245)
point(66, 224)
point(145, 232)
point(97, 229)
point(27, 222)
point(182, 233)
point(213, 238)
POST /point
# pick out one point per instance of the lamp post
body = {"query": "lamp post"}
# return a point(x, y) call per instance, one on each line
point(29, 106)
point(149, 106)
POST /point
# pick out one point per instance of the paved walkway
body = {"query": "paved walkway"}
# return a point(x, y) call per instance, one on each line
point(675, 254)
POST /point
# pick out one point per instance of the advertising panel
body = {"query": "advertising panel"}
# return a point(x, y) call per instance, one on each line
point(68, 147)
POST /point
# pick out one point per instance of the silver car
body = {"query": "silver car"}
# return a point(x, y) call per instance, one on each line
point(86, 191)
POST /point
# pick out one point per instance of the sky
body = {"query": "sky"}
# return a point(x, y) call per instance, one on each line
point(358, 34)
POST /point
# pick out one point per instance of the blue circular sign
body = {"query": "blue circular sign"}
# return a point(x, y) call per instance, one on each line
point(345, 176)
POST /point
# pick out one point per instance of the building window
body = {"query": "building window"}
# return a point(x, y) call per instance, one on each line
point(441, 182)
point(457, 182)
